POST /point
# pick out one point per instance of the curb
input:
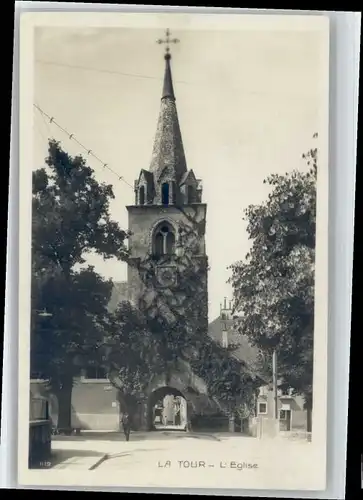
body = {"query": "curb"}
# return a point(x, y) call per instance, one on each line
point(99, 462)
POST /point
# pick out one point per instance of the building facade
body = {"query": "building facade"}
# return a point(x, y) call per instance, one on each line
point(292, 416)
point(167, 218)
point(167, 225)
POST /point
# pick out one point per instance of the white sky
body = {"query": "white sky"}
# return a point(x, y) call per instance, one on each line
point(248, 104)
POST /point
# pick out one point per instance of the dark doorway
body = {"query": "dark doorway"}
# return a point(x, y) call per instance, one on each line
point(285, 420)
point(167, 409)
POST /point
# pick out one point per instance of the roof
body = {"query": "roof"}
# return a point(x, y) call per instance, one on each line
point(245, 352)
point(188, 175)
point(168, 89)
point(168, 149)
point(148, 175)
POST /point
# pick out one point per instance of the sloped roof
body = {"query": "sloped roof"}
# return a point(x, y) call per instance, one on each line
point(245, 352)
point(188, 175)
point(168, 149)
point(168, 89)
point(148, 175)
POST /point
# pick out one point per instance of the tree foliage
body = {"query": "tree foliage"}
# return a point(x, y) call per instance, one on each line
point(72, 329)
point(70, 219)
point(273, 286)
point(172, 326)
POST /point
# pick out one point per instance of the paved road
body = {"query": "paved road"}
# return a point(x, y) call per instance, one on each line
point(178, 459)
point(87, 450)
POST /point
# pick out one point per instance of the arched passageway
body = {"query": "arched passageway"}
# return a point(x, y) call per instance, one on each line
point(167, 409)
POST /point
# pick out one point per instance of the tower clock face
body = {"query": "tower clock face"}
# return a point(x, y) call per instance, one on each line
point(166, 276)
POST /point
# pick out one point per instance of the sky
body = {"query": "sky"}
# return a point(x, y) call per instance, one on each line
point(249, 102)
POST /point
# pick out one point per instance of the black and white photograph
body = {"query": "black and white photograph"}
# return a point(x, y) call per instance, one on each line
point(173, 228)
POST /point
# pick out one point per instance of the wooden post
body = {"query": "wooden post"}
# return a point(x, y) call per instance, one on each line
point(274, 383)
point(231, 423)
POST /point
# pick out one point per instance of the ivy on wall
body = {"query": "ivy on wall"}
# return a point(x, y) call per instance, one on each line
point(170, 324)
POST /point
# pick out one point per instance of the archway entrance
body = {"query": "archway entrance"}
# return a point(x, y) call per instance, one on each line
point(167, 410)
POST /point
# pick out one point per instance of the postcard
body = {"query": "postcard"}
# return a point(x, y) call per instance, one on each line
point(173, 250)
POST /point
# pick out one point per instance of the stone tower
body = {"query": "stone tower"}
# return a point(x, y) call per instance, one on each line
point(168, 218)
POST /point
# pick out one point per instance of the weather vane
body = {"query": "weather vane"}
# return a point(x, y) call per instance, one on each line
point(167, 41)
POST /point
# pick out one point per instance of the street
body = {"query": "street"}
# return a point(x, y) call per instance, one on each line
point(177, 459)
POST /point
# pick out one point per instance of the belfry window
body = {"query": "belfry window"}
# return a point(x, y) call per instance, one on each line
point(190, 194)
point(142, 195)
point(164, 241)
point(165, 194)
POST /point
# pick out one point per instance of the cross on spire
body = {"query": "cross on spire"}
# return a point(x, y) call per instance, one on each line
point(167, 42)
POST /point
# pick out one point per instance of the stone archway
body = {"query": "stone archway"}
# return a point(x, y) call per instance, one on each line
point(178, 412)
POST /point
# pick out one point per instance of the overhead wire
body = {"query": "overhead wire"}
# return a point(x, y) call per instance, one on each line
point(39, 129)
point(72, 137)
point(107, 71)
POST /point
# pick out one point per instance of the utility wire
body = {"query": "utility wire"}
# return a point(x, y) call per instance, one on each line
point(258, 93)
point(109, 71)
point(47, 124)
point(39, 129)
point(73, 138)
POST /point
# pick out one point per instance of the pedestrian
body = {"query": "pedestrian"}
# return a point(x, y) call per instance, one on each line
point(126, 425)
point(188, 425)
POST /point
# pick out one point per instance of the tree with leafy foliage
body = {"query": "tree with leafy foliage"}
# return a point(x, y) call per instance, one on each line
point(70, 219)
point(273, 287)
point(169, 329)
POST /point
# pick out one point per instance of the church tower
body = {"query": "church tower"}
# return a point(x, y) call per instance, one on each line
point(168, 218)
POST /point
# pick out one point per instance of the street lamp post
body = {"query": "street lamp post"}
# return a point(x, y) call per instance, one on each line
point(40, 425)
point(274, 383)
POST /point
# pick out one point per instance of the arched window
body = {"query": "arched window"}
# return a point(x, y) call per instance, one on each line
point(159, 244)
point(164, 240)
point(190, 194)
point(165, 194)
point(142, 195)
point(169, 242)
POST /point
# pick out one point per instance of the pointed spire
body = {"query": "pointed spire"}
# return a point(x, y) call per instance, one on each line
point(168, 89)
point(168, 150)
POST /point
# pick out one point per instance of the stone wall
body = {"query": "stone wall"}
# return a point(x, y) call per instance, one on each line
point(142, 223)
point(143, 220)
